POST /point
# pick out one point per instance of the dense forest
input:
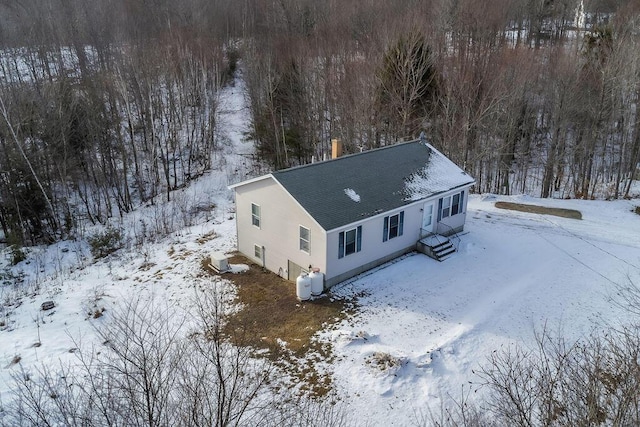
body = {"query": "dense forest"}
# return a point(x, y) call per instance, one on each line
point(107, 104)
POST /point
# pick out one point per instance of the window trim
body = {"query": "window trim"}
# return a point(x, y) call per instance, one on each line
point(302, 239)
point(342, 241)
point(256, 219)
point(450, 199)
point(446, 206)
point(455, 204)
point(387, 227)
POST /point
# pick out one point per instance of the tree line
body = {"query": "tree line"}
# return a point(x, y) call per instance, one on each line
point(109, 104)
point(529, 96)
point(105, 105)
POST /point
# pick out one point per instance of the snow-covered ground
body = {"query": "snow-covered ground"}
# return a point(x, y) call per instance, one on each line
point(513, 273)
point(167, 271)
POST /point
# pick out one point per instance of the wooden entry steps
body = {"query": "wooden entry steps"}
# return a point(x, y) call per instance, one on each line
point(436, 246)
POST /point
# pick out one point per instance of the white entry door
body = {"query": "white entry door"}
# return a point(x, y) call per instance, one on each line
point(427, 218)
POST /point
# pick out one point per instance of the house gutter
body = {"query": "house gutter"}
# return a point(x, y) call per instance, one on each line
point(398, 209)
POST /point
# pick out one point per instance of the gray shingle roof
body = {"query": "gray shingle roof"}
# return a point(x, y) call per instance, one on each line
point(351, 188)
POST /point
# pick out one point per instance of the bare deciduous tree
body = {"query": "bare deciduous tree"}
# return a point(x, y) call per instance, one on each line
point(156, 367)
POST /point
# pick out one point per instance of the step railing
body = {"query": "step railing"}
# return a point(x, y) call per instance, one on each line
point(452, 235)
point(427, 233)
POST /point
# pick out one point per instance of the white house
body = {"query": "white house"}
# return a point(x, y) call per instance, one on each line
point(352, 213)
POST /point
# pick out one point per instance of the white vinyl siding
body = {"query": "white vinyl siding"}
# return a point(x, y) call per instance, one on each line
point(279, 231)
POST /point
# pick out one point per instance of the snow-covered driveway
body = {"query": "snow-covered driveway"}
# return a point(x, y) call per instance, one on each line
point(513, 273)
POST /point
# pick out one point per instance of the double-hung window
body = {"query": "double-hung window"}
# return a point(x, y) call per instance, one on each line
point(305, 239)
point(455, 204)
point(255, 215)
point(450, 205)
point(445, 207)
point(349, 242)
point(393, 225)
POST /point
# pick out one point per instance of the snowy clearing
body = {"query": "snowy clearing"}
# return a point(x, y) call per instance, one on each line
point(422, 326)
point(514, 273)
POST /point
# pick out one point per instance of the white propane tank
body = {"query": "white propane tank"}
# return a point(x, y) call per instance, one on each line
point(317, 282)
point(303, 287)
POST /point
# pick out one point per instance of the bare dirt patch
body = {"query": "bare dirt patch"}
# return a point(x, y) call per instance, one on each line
point(564, 213)
point(273, 319)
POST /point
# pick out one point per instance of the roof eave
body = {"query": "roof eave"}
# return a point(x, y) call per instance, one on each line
point(249, 181)
point(413, 202)
point(297, 203)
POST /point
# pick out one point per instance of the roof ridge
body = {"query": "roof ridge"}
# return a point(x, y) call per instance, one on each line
point(383, 179)
point(346, 156)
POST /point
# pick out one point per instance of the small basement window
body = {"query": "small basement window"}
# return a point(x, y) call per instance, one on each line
point(257, 251)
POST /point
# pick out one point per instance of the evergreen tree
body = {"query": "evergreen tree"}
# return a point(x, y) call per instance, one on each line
point(408, 87)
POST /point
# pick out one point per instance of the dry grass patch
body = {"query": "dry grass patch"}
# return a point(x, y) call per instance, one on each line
point(206, 237)
point(384, 361)
point(271, 315)
point(564, 213)
point(16, 359)
point(146, 266)
point(182, 254)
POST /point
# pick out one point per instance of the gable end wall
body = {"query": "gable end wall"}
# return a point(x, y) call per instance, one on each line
point(280, 219)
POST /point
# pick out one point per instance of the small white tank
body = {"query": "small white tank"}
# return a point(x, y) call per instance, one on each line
point(303, 287)
point(317, 282)
point(219, 262)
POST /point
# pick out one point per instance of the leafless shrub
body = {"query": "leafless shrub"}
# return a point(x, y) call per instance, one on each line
point(220, 376)
point(593, 381)
point(456, 412)
point(627, 296)
point(587, 382)
point(303, 412)
point(151, 370)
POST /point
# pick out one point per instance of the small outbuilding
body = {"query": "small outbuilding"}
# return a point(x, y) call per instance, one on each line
point(352, 213)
